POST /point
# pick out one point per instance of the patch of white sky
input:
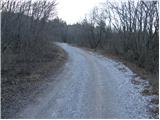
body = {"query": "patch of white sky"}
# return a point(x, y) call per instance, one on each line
point(73, 11)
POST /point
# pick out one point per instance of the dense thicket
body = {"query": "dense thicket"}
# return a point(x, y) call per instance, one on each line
point(24, 26)
point(130, 29)
point(28, 30)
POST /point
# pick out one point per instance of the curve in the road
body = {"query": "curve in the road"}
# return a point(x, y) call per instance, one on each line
point(90, 86)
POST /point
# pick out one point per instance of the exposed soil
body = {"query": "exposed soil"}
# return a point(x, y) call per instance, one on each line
point(21, 81)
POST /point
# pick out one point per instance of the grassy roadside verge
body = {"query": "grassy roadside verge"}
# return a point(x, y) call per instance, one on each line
point(21, 78)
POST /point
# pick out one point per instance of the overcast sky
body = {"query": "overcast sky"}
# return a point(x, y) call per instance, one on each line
point(73, 11)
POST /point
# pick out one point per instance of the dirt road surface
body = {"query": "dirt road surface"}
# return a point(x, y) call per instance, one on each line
point(90, 86)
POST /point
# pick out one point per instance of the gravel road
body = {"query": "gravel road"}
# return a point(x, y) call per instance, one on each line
point(89, 86)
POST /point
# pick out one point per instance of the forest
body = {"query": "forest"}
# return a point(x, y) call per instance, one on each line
point(129, 29)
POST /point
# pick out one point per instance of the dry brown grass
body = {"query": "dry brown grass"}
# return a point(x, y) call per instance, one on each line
point(20, 81)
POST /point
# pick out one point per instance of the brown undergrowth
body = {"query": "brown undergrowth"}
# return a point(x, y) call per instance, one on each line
point(21, 79)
